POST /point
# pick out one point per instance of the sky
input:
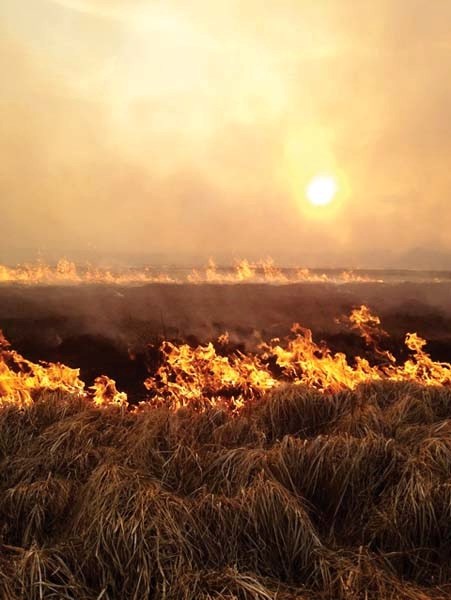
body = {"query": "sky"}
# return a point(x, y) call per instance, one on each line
point(181, 130)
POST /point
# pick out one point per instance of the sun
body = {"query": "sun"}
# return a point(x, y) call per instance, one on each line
point(321, 190)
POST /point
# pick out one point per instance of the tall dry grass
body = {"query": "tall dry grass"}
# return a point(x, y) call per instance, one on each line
point(302, 496)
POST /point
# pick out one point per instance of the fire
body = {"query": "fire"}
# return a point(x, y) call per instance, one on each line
point(421, 367)
point(266, 271)
point(368, 326)
point(66, 272)
point(305, 362)
point(189, 375)
point(21, 379)
point(209, 375)
point(104, 392)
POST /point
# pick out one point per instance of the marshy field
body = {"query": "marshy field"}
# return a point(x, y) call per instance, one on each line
point(180, 442)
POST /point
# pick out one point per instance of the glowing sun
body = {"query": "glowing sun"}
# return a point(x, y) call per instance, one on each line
point(321, 190)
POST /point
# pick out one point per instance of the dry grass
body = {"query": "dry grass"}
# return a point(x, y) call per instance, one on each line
point(303, 496)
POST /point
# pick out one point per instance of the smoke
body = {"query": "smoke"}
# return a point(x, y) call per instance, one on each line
point(107, 330)
point(145, 132)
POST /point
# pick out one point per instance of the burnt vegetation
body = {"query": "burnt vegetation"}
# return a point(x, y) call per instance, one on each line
point(301, 495)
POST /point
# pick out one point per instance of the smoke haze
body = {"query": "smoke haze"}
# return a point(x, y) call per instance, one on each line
point(170, 132)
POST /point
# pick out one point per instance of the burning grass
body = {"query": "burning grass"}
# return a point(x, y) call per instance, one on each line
point(302, 494)
point(264, 271)
point(216, 374)
point(289, 473)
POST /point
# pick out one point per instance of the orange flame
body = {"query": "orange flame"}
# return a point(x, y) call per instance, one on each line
point(368, 326)
point(66, 272)
point(202, 376)
point(190, 375)
point(21, 379)
point(421, 367)
point(104, 392)
point(265, 271)
point(305, 362)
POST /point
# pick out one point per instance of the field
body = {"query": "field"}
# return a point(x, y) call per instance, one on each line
point(336, 490)
point(305, 496)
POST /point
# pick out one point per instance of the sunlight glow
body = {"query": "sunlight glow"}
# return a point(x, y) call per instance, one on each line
point(321, 190)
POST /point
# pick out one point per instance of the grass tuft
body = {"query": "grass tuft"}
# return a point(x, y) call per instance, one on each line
point(300, 496)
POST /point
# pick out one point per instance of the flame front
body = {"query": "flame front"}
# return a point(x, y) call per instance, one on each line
point(21, 380)
point(195, 374)
point(191, 375)
point(66, 272)
point(208, 375)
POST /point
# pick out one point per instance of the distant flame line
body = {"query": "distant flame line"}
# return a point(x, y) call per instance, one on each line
point(243, 271)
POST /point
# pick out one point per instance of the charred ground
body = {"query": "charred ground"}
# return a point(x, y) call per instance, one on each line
point(116, 330)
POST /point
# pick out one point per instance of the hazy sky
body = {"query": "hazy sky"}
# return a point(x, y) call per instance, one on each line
point(185, 129)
